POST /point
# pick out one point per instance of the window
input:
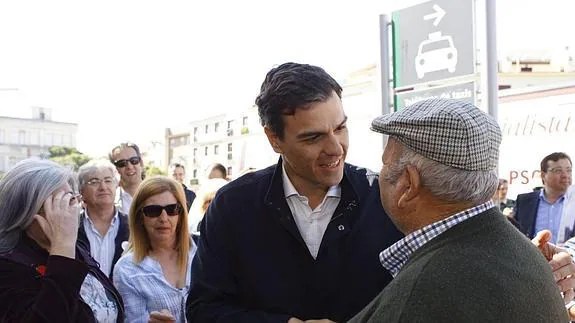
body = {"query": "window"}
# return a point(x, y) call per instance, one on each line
point(195, 172)
point(229, 171)
point(57, 139)
point(216, 126)
point(22, 137)
point(67, 141)
point(195, 134)
point(207, 128)
point(206, 151)
point(216, 149)
point(195, 152)
point(14, 137)
point(230, 149)
point(34, 138)
point(230, 130)
point(244, 121)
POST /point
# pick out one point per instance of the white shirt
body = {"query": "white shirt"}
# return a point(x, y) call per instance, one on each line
point(101, 302)
point(123, 201)
point(102, 248)
point(311, 223)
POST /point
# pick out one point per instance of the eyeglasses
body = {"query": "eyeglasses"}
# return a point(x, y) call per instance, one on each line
point(557, 171)
point(123, 162)
point(97, 182)
point(154, 211)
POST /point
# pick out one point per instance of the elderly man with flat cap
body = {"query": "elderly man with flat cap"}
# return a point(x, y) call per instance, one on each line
point(460, 259)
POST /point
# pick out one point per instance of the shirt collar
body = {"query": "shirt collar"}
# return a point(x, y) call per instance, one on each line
point(543, 198)
point(115, 219)
point(290, 190)
point(394, 257)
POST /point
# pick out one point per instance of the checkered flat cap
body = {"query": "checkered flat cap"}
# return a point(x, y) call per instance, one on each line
point(451, 132)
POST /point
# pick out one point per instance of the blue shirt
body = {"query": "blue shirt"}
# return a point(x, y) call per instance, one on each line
point(144, 288)
point(549, 215)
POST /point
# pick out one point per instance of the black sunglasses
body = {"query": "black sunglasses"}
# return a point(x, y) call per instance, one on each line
point(154, 211)
point(123, 162)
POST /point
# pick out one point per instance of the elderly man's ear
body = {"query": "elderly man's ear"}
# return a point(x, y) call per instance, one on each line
point(410, 185)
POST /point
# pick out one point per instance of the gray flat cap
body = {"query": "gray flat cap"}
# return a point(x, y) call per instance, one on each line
point(451, 132)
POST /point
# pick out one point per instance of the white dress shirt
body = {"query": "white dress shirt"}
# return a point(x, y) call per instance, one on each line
point(103, 248)
point(311, 223)
point(123, 201)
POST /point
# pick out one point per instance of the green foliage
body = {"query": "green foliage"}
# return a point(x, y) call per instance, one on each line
point(67, 156)
point(152, 170)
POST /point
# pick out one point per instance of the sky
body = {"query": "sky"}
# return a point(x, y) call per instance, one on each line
point(126, 70)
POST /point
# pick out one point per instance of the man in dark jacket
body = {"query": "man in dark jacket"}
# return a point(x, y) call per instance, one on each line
point(178, 172)
point(299, 240)
point(102, 227)
point(543, 209)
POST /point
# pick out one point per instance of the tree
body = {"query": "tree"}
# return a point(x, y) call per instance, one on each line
point(152, 170)
point(67, 156)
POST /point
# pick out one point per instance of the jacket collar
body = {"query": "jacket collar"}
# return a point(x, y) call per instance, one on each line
point(275, 192)
point(27, 252)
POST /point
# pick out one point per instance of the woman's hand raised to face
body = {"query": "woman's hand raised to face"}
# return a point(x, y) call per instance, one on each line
point(59, 222)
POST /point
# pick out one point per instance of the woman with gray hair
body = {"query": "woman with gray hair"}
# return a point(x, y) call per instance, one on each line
point(45, 274)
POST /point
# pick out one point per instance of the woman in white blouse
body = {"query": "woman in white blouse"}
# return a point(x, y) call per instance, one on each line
point(153, 276)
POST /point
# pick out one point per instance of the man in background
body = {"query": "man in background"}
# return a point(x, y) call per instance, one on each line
point(217, 170)
point(102, 227)
point(543, 209)
point(129, 164)
point(178, 172)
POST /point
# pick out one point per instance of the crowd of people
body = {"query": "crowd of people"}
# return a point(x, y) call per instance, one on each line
point(310, 239)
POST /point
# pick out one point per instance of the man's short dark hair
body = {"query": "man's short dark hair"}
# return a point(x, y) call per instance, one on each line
point(220, 168)
point(553, 157)
point(176, 165)
point(292, 86)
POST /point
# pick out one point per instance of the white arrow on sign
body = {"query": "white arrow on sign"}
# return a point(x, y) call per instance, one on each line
point(437, 15)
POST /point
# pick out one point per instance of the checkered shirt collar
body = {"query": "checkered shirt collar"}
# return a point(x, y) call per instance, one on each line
point(394, 257)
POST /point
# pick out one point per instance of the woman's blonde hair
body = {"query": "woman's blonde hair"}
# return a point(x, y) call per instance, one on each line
point(140, 241)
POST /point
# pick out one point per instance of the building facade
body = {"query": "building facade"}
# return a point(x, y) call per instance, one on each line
point(21, 138)
point(235, 140)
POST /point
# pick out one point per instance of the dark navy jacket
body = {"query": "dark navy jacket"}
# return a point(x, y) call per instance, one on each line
point(190, 196)
point(123, 235)
point(252, 264)
point(526, 208)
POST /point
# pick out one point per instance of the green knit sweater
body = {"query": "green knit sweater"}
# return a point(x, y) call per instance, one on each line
point(481, 270)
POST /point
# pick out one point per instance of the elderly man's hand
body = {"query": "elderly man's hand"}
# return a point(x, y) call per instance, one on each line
point(561, 263)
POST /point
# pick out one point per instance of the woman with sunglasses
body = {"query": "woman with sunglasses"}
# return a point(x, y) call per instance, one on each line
point(46, 275)
point(153, 277)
